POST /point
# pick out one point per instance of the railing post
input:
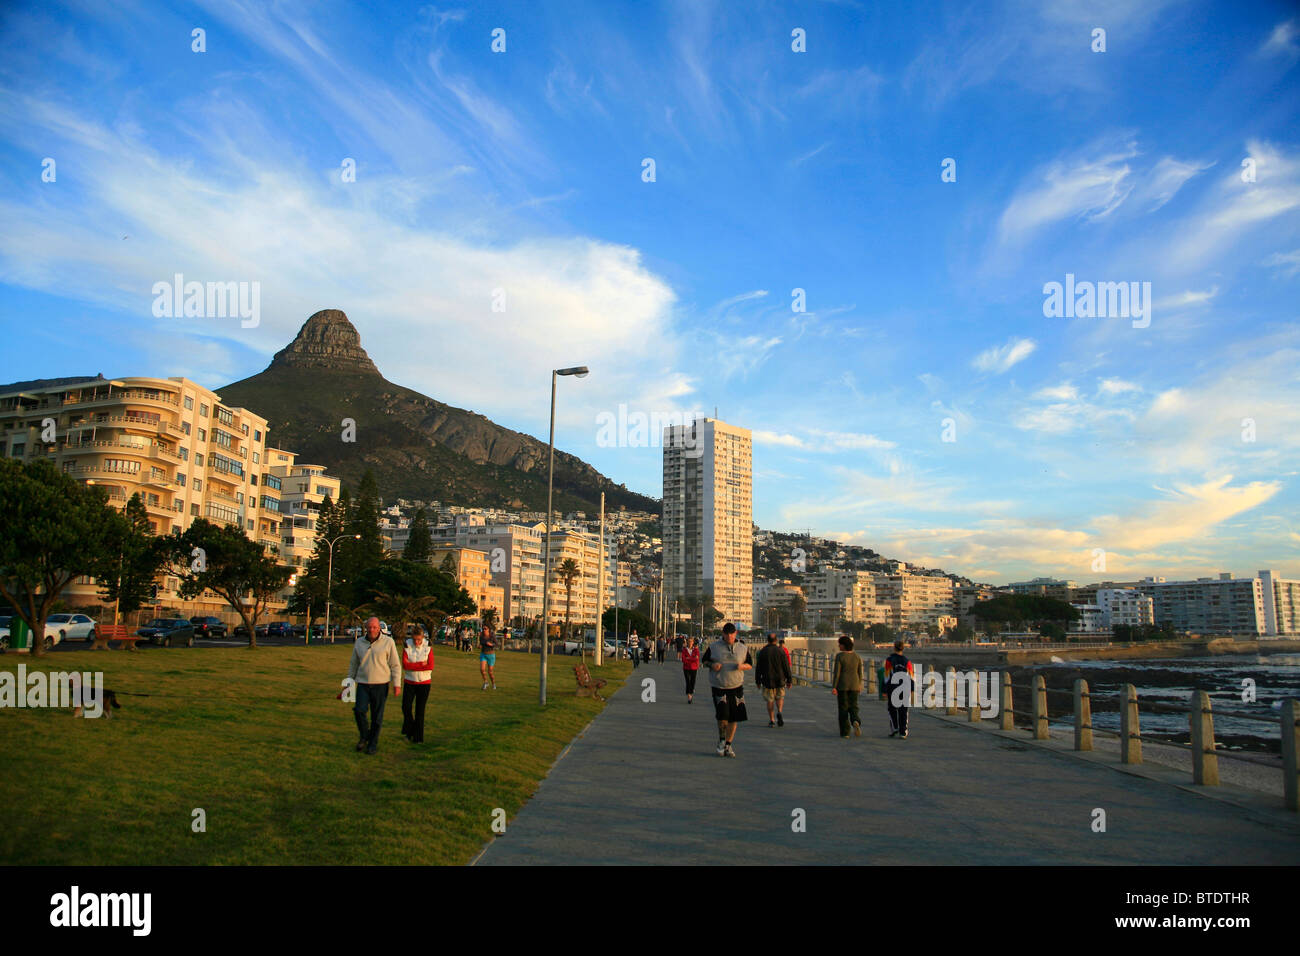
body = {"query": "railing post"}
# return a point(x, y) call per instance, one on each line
point(1082, 716)
point(1130, 730)
point(1008, 721)
point(973, 701)
point(950, 689)
point(1040, 708)
point(872, 687)
point(1205, 762)
point(1290, 763)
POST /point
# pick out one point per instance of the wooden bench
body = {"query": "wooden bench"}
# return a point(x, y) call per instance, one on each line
point(586, 686)
point(113, 632)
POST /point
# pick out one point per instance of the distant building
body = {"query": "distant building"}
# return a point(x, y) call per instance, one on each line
point(473, 573)
point(1125, 606)
point(1281, 604)
point(708, 514)
point(1226, 605)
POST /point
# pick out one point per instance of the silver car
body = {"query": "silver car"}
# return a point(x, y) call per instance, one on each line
point(68, 627)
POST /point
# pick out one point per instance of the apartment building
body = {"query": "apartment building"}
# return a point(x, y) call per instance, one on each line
point(915, 600)
point(1124, 606)
point(584, 550)
point(708, 514)
point(170, 440)
point(1047, 587)
point(1281, 604)
point(473, 570)
point(514, 559)
point(840, 596)
point(1225, 605)
point(303, 489)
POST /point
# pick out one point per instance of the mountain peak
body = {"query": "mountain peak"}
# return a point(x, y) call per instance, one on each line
point(326, 340)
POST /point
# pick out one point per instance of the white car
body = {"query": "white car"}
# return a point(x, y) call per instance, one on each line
point(68, 627)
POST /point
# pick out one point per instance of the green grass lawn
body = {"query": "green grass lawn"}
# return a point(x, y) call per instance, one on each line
point(257, 739)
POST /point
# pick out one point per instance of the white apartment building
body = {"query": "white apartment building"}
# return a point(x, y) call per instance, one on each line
point(1125, 606)
point(1226, 606)
point(708, 530)
point(1281, 604)
point(515, 559)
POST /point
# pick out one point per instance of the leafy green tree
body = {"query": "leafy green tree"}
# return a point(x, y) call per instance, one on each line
point(399, 578)
point(1052, 630)
point(963, 632)
point(403, 610)
point(53, 529)
point(825, 626)
point(363, 519)
point(932, 630)
point(210, 557)
point(628, 621)
point(141, 554)
point(880, 633)
point(488, 616)
point(419, 545)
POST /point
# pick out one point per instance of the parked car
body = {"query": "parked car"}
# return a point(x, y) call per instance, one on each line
point(4, 631)
point(208, 627)
point(168, 631)
point(279, 629)
point(575, 648)
point(68, 627)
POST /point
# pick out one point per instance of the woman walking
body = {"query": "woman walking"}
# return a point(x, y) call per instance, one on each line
point(417, 675)
point(690, 667)
point(846, 685)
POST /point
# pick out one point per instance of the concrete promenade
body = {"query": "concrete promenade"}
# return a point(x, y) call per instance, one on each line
point(644, 785)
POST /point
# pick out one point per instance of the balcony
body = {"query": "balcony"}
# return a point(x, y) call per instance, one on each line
point(132, 422)
point(121, 396)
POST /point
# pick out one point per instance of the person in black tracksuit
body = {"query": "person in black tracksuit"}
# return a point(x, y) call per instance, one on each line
point(898, 677)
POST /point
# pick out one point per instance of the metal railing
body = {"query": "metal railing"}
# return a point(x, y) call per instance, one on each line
point(816, 668)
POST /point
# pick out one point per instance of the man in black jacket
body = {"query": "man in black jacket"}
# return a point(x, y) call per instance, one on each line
point(772, 674)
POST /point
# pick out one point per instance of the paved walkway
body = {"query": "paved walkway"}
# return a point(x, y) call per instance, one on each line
point(644, 785)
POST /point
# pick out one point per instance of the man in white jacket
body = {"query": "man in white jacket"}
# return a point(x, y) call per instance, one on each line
point(375, 664)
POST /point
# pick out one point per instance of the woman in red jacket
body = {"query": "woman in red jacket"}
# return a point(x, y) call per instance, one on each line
point(417, 673)
point(690, 666)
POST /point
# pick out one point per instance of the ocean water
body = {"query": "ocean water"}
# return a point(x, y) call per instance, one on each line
point(1230, 680)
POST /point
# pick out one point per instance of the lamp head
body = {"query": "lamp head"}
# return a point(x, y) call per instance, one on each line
point(579, 370)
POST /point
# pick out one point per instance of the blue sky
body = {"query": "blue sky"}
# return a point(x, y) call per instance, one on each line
point(775, 170)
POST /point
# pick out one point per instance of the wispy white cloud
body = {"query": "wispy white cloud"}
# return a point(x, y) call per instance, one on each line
point(1284, 39)
point(1001, 358)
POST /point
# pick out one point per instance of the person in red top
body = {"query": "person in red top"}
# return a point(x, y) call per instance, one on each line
point(690, 667)
point(417, 675)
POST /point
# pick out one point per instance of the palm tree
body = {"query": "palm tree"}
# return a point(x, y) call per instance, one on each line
point(568, 572)
point(404, 610)
point(489, 617)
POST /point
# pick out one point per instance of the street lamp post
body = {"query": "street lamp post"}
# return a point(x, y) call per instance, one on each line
point(581, 372)
point(329, 581)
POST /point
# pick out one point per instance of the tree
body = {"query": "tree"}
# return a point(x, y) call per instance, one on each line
point(399, 578)
point(963, 632)
point(419, 545)
point(798, 604)
point(1052, 630)
point(488, 616)
point(403, 610)
point(568, 572)
point(932, 630)
point(628, 621)
point(825, 626)
point(140, 556)
point(210, 557)
point(880, 633)
point(53, 529)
